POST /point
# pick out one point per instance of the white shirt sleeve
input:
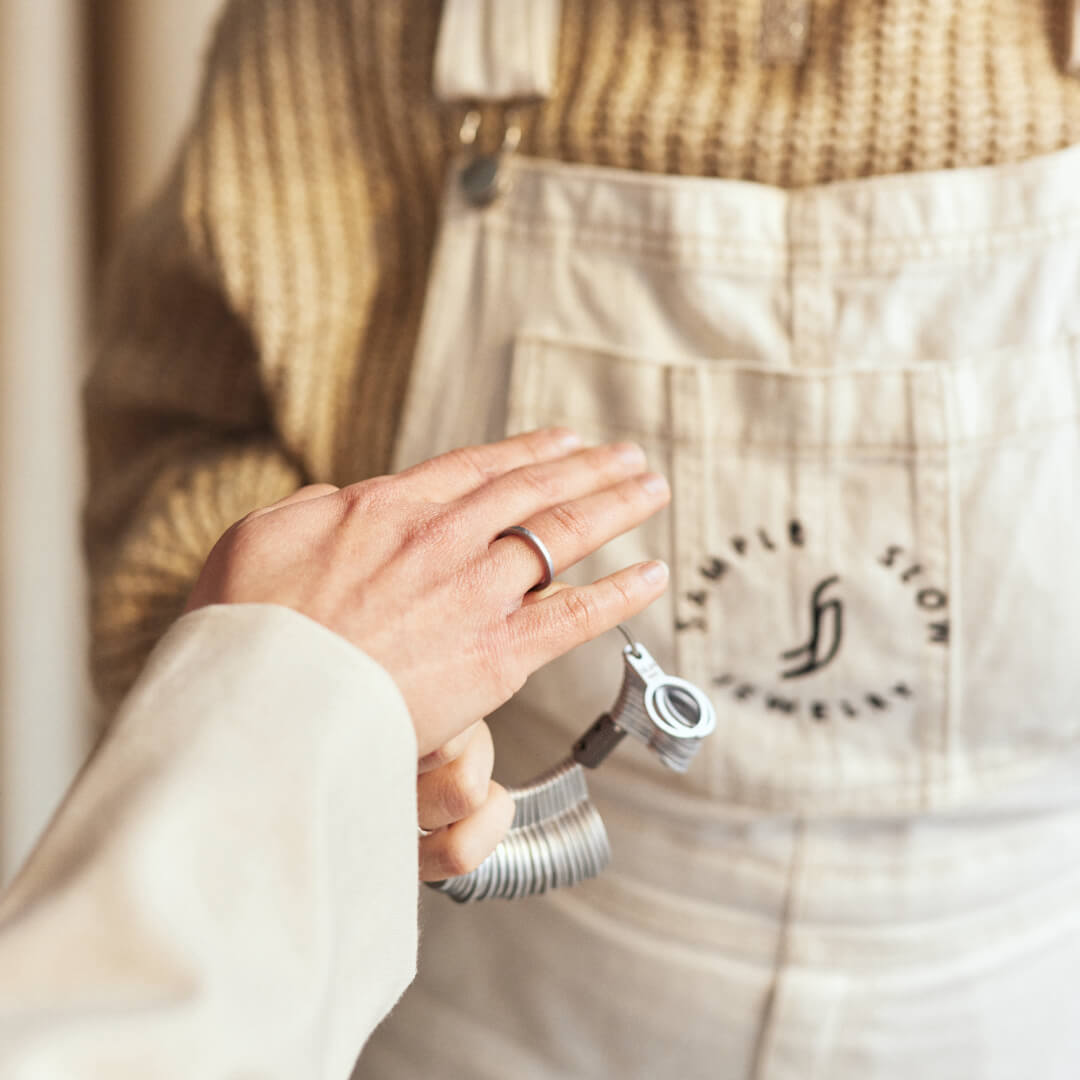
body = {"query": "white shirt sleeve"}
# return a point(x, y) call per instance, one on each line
point(230, 887)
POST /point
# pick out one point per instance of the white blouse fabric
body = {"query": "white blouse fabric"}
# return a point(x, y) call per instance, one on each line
point(230, 887)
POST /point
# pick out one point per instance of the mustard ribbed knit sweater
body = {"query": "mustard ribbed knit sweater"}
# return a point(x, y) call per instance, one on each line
point(261, 315)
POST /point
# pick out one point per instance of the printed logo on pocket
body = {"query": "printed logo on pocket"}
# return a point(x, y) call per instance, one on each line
point(791, 691)
point(817, 655)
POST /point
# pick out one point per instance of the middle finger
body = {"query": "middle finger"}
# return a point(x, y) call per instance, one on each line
point(526, 491)
point(453, 791)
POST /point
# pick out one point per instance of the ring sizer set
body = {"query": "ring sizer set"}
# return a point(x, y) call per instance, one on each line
point(558, 838)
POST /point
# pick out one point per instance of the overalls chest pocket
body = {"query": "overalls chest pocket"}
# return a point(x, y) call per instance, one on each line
point(871, 567)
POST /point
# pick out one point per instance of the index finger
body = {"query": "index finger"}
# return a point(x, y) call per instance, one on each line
point(455, 474)
point(559, 619)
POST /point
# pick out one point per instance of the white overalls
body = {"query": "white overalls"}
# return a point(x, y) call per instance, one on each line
point(866, 396)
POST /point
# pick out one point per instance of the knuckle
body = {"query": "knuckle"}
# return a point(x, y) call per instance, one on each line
point(371, 495)
point(497, 663)
point(621, 592)
point(471, 461)
point(581, 609)
point(538, 482)
point(536, 444)
point(237, 552)
point(436, 759)
point(466, 793)
point(571, 520)
point(240, 541)
point(630, 495)
point(380, 487)
point(358, 500)
point(458, 856)
point(450, 751)
point(473, 795)
point(435, 530)
point(471, 582)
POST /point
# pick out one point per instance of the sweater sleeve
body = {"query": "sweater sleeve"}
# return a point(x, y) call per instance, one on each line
point(258, 321)
point(230, 887)
point(182, 437)
point(179, 433)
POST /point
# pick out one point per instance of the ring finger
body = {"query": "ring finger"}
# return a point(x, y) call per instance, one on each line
point(576, 529)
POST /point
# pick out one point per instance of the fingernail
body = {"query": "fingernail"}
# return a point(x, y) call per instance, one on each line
point(655, 572)
point(567, 438)
point(630, 452)
point(654, 484)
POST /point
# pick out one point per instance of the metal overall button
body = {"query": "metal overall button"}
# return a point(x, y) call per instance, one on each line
point(484, 178)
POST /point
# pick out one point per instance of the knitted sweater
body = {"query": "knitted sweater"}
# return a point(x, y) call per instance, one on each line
point(260, 318)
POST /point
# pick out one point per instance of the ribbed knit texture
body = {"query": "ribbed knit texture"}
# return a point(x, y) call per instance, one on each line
point(261, 317)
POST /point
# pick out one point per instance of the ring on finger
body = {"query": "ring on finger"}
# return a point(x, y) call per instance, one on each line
point(539, 547)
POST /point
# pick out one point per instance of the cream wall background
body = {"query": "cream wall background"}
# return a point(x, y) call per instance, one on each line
point(93, 97)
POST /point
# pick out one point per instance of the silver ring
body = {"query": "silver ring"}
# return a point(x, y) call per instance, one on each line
point(539, 547)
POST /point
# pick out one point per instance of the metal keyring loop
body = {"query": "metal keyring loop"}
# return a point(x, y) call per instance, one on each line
point(665, 717)
point(539, 547)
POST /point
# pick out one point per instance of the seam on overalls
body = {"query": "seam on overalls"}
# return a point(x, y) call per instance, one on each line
point(953, 660)
point(917, 365)
point(811, 453)
point(856, 258)
point(928, 179)
point(769, 1020)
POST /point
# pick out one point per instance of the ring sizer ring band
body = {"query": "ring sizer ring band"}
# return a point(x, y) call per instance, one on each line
point(539, 547)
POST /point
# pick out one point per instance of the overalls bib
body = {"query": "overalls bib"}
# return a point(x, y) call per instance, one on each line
point(866, 396)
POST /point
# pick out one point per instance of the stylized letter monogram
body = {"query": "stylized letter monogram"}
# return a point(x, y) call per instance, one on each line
point(826, 622)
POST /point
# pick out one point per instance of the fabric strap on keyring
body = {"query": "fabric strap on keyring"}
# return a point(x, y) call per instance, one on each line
point(497, 50)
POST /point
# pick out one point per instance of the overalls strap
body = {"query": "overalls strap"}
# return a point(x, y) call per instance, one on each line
point(497, 50)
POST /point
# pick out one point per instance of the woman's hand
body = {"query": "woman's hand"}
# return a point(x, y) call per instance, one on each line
point(408, 569)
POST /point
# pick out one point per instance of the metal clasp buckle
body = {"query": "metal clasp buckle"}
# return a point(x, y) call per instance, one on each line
point(484, 178)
